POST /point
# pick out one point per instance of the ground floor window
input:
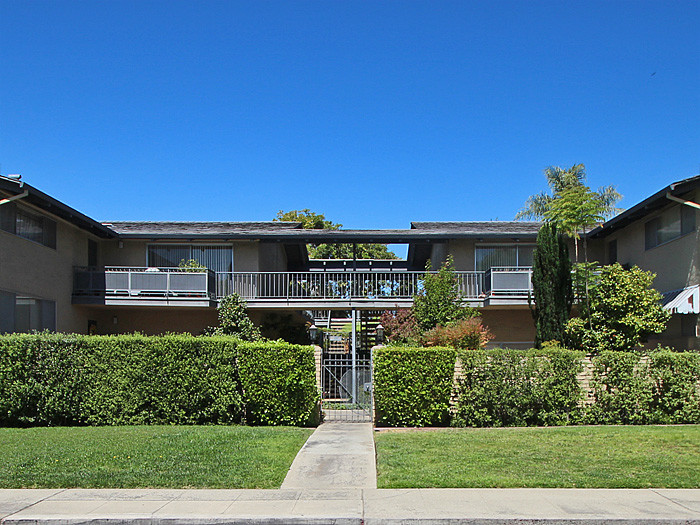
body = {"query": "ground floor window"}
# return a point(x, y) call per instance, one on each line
point(21, 313)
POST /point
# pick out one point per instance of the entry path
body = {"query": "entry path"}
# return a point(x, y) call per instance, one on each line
point(336, 456)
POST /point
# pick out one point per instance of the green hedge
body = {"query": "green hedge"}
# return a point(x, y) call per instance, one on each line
point(279, 384)
point(660, 389)
point(59, 379)
point(518, 388)
point(412, 386)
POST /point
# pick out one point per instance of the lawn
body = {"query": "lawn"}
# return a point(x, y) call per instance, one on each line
point(593, 457)
point(148, 456)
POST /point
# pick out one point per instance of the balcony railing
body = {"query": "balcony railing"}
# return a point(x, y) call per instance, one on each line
point(121, 281)
point(347, 285)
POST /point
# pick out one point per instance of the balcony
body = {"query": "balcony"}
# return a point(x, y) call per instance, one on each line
point(121, 286)
point(304, 290)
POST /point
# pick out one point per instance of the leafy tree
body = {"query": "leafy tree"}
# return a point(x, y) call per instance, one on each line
point(234, 320)
point(623, 311)
point(317, 221)
point(551, 280)
point(440, 301)
point(572, 205)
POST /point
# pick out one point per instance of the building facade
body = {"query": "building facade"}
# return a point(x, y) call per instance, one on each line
point(61, 270)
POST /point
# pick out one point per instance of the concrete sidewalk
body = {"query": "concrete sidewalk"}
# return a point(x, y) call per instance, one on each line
point(350, 506)
point(336, 456)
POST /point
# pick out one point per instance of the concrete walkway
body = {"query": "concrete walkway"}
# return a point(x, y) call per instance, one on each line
point(336, 456)
point(350, 506)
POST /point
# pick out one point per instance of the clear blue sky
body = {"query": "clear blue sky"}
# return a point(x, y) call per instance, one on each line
point(375, 113)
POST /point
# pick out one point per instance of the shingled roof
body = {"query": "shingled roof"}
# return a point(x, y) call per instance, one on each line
point(197, 228)
point(476, 228)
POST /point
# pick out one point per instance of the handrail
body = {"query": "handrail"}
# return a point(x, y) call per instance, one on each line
point(134, 281)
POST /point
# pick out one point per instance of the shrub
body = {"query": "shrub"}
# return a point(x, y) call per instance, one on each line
point(234, 320)
point(400, 326)
point(622, 311)
point(659, 389)
point(279, 383)
point(59, 379)
point(412, 386)
point(440, 301)
point(516, 388)
point(468, 334)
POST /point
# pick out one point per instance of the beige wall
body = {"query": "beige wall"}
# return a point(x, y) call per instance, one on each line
point(29, 268)
point(150, 320)
point(510, 325)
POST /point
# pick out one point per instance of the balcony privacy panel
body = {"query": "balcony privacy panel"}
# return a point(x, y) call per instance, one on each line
point(510, 281)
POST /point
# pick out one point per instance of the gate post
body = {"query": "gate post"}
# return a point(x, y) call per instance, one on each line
point(318, 353)
point(354, 355)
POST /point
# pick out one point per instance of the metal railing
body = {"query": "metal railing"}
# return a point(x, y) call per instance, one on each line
point(124, 281)
point(186, 282)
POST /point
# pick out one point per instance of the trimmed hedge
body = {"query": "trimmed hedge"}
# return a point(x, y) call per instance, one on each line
point(60, 379)
point(279, 384)
point(412, 386)
point(518, 388)
point(659, 389)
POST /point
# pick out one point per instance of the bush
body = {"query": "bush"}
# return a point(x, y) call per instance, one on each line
point(517, 388)
point(234, 320)
point(440, 301)
point(412, 386)
point(279, 383)
point(468, 334)
point(59, 379)
point(622, 310)
point(400, 326)
point(659, 389)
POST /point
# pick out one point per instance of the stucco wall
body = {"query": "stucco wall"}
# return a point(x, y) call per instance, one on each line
point(150, 320)
point(29, 268)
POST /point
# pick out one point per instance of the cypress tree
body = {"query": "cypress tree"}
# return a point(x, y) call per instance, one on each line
point(551, 281)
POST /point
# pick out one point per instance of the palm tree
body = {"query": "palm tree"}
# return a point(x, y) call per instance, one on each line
point(572, 205)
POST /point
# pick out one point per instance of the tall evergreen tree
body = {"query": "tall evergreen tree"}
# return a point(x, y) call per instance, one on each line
point(551, 280)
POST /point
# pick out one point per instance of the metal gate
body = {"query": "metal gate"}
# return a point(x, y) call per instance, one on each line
point(347, 388)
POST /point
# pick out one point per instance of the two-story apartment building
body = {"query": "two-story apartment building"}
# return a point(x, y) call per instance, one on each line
point(61, 270)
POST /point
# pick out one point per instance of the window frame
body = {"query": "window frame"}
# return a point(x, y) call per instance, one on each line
point(515, 245)
point(190, 246)
point(683, 223)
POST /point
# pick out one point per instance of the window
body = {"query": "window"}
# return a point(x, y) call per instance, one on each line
point(20, 313)
point(92, 253)
point(24, 223)
point(612, 252)
point(503, 255)
point(670, 225)
point(216, 258)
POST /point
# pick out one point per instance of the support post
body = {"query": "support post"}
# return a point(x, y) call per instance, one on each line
point(354, 355)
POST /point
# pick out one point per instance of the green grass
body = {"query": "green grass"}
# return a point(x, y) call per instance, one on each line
point(148, 456)
point(592, 457)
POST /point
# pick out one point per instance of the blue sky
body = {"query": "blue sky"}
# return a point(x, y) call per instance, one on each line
point(375, 113)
